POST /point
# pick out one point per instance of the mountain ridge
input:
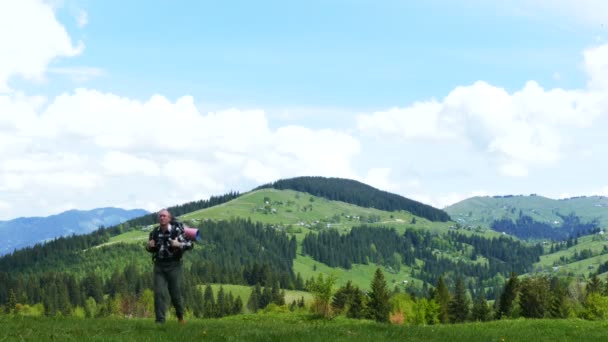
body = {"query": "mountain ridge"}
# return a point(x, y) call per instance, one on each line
point(28, 231)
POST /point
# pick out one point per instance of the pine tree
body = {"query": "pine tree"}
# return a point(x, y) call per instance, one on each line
point(208, 303)
point(221, 310)
point(237, 307)
point(442, 297)
point(254, 299)
point(507, 298)
point(459, 305)
point(481, 310)
point(559, 305)
point(356, 307)
point(378, 306)
point(342, 297)
point(12, 302)
point(594, 285)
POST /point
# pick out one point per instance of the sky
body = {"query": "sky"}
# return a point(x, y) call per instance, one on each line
point(148, 105)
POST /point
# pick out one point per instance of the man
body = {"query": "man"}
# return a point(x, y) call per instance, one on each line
point(167, 242)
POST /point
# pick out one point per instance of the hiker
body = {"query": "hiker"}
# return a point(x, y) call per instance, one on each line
point(167, 242)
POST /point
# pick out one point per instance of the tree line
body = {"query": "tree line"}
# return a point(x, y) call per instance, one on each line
point(525, 227)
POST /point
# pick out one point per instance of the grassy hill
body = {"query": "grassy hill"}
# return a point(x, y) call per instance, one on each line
point(483, 211)
point(299, 213)
point(577, 261)
point(288, 208)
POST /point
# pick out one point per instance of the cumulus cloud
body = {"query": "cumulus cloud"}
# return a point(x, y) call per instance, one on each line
point(30, 37)
point(154, 152)
point(531, 126)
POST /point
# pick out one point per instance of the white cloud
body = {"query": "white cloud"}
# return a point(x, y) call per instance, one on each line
point(30, 37)
point(153, 152)
point(118, 163)
point(529, 127)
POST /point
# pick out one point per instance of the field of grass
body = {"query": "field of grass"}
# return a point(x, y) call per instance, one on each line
point(360, 275)
point(293, 327)
point(595, 243)
point(288, 207)
point(245, 291)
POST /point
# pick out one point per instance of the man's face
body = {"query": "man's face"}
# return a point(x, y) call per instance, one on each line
point(164, 218)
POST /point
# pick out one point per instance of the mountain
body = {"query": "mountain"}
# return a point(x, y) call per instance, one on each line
point(354, 192)
point(271, 235)
point(27, 231)
point(533, 216)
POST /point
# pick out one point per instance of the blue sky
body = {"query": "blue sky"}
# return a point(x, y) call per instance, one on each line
point(435, 100)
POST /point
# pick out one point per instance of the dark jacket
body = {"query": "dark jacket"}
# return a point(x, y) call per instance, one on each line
point(163, 251)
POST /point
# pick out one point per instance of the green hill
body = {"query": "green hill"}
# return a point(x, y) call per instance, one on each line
point(484, 210)
point(272, 236)
point(354, 192)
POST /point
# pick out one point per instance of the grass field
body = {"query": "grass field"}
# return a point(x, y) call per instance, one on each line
point(594, 243)
point(287, 207)
point(245, 291)
point(293, 327)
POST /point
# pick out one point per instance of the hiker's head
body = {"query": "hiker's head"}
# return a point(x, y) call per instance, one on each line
point(164, 217)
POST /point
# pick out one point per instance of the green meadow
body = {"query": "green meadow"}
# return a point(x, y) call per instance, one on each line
point(293, 327)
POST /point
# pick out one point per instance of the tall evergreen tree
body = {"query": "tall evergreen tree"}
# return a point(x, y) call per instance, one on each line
point(535, 297)
point(356, 308)
point(208, 303)
point(559, 304)
point(12, 302)
point(254, 299)
point(221, 310)
point(442, 297)
point(378, 306)
point(508, 296)
point(237, 307)
point(459, 305)
point(481, 310)
point(594, 285)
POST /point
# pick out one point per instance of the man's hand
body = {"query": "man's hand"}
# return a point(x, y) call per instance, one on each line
point(175, 243)
point(151, 244)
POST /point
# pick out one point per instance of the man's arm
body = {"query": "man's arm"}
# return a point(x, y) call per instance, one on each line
point(182, 243)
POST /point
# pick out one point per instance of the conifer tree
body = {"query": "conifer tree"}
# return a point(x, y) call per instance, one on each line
point(208, 303)
point(378, 306)
point(508, 296)
point(357, 306)
point(442, 297)
point(237, 307)
point(459, 305)
point(254, 299)
point(481, 310)
point(221, 310)
point(594, 285)
point(559, 305)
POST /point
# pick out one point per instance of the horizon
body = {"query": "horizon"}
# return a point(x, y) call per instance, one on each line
point(106, 104)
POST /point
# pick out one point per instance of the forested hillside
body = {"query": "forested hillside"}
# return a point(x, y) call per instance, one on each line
point(351, 191)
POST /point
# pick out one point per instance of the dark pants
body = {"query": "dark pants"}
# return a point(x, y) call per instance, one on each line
point(168, 274)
